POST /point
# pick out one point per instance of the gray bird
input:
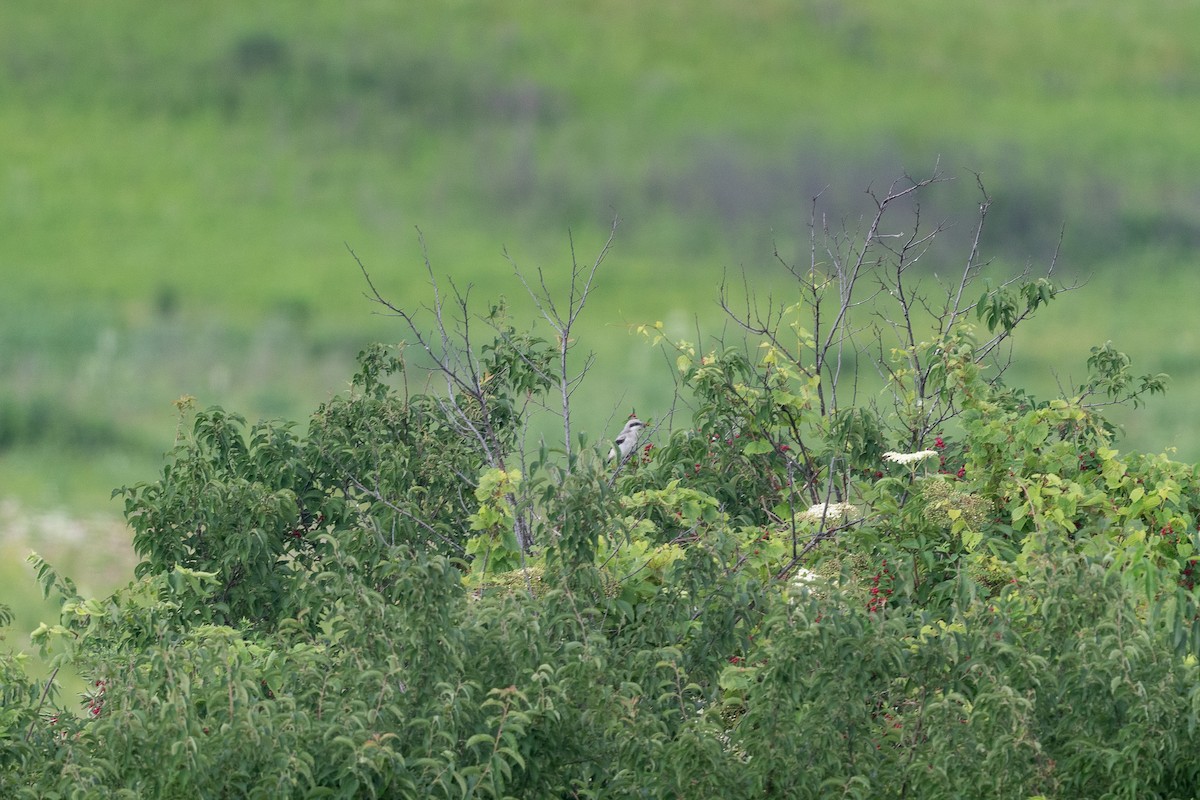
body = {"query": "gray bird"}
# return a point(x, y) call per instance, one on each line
point(627, 439)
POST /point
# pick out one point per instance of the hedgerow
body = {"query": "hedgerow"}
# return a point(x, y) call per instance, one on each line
point(801, 588)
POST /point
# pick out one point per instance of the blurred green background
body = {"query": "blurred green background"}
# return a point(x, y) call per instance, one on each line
point(179, 183)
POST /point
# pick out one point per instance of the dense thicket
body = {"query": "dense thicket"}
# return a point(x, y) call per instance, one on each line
point(794, 587)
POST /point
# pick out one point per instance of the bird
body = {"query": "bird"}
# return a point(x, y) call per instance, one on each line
point(627, 439)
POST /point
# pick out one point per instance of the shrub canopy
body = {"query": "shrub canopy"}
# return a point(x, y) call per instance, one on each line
point(794, 588)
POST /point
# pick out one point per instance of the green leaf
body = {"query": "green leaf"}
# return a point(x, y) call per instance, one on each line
point(480, 739)
point(754, 447)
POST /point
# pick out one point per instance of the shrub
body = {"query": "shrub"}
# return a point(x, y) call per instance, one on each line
point(960, 591)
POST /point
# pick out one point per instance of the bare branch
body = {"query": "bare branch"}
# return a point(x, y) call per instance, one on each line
point(582, 280)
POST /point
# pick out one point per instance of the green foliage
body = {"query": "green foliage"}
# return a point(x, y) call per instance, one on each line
point(19, 706)
point(495, 548)
point(1059, 686)
point(1110, 375)
point(959, 590)
point(262, 509)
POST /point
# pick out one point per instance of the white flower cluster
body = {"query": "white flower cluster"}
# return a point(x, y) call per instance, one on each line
point(804, 584)
point(909, 458)
point(829, 511)
point(804, 577)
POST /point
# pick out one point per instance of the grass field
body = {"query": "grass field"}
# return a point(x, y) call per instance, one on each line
point(179, 184)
